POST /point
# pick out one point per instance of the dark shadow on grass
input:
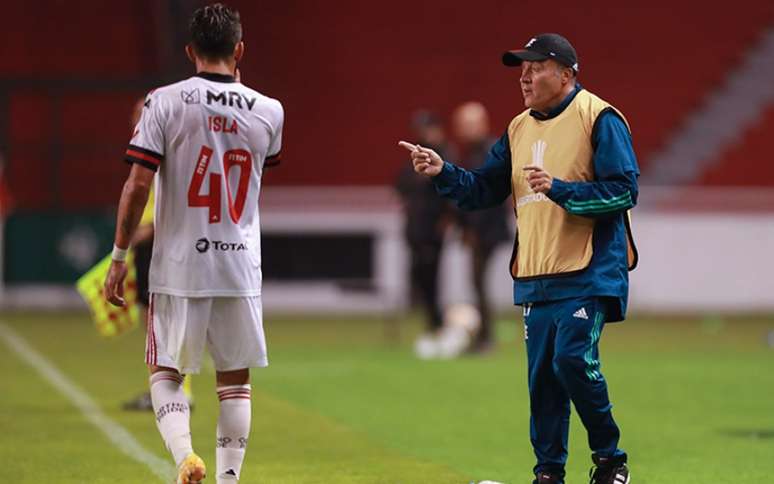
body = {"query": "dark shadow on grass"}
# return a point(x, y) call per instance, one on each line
point(749, 433)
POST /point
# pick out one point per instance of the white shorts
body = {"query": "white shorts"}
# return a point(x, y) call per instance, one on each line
point(179, 326)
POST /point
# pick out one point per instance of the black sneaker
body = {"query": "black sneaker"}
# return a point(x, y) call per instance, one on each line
point(141, 403)
point(608, 471)
point(546, 478)
point(481, 347)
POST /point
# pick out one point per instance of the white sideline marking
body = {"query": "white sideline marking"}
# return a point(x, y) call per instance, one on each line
point(115, 433)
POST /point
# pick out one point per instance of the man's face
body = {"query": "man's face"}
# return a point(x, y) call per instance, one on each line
point(541, 84)
point(431, 134)
point(471, 123)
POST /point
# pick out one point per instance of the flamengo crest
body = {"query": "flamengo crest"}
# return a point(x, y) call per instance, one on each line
point(538, 150)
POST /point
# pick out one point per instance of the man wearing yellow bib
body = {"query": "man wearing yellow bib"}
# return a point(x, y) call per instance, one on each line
point(569, 166)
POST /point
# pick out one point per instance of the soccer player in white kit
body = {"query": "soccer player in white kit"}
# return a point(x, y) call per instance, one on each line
point(207, 140)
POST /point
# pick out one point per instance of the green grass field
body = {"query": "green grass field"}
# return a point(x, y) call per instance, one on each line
point(344, 401)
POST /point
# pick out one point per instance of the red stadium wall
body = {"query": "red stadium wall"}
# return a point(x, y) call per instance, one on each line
point(748, 162)
point(350, 77)
point(64, 39)
point(349, 74)
point(64, 142)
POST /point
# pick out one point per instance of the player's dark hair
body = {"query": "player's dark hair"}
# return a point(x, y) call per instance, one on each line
point(215, 31)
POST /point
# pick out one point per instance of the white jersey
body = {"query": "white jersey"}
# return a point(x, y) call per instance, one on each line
point(210, 139)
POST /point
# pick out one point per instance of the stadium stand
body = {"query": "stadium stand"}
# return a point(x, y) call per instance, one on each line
point(64, 97)
point(748, 162)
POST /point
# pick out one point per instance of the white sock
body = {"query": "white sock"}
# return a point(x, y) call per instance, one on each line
point(172, 414)
point(233, 429)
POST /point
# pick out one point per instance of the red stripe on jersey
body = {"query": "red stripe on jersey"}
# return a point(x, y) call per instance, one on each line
point(236, 397)
point(152, 333)
point(273, 160)
point(143, 156)
point(148, 337)
point(147, 341)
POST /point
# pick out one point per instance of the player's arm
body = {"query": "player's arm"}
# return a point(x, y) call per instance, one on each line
point(144, 232)
point(145, 153)
point(614, 189)
point(134, 196)
point(484, 187)
point(274, 154)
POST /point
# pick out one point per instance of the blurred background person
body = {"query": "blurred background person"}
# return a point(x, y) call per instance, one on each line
point(426, 219)
point(482, 231)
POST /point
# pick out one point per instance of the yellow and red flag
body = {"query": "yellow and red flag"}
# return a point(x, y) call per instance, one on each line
point(110, 320)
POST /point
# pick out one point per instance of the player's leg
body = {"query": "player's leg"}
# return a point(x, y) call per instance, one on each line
point(175, 340)
point(170, 407)
point(576, 363)
point(549, 403)
point(236, 342)
point(188, 390)
point(142, 258)
point(482, 251)
point(426, 261)
point(233, 428)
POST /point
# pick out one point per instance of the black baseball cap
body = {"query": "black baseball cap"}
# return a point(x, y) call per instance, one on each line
point(544, 47)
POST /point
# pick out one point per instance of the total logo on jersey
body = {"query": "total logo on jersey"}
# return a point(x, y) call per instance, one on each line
point(203, 245)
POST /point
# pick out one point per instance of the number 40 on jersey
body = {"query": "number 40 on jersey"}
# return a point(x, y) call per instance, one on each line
point(236, 204)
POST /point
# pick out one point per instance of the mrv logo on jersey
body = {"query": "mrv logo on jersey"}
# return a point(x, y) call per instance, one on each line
point(230, 98)
point(203, 245)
